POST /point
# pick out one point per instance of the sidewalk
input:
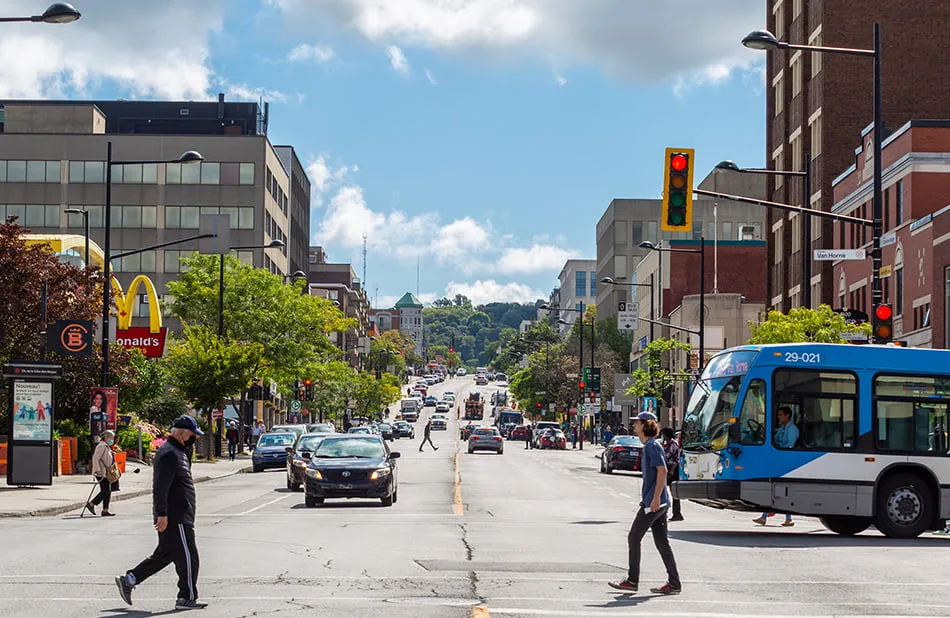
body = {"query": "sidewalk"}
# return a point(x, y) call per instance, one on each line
point(69, 493)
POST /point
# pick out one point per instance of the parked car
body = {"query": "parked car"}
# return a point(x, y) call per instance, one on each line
point(386, 431)
point(352, 467)
point(552, 438)
point(298, 456)
point(486, 439)
point(622, 453)
point(271, 450)
point(404, 430)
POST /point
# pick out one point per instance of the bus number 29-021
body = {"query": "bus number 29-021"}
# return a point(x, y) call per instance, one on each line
point(804, 357)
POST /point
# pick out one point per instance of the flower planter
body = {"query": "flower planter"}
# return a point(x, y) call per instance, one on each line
point(74, 451)
point(65, 456)
point(3, 459)
point(120, 458)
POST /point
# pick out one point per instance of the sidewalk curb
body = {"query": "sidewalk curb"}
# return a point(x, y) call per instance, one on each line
point(116, 497)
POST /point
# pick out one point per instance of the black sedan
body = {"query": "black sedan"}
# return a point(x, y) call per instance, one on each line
point(622, 453)
point(386, 431)
point(298, 456)
point(271, 450)
point(352, 466)
point(403, 429)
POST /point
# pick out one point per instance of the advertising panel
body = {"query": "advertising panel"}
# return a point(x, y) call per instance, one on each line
point(102, 410)
point(32, 411)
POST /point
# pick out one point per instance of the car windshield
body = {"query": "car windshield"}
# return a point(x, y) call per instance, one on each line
point(309, 443)
point(277, 439)
point(385, 427)
point(360, 430)
point(706, 426)
point(485, 432)
point(627, 441)
point(350, 447)
point(320, 428)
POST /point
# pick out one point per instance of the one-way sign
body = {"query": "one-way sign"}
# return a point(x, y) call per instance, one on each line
point(627, 317)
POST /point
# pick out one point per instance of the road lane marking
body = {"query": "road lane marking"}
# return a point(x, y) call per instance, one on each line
point(457, 506)
point(249, 511)
point(480, 611)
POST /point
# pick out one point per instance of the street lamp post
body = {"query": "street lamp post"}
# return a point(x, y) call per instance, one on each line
point(702, 289)
point(765, 40)
point(85, 227)
point(610, 281)
point(805, 175)
point(189, 156)
point(56, 13)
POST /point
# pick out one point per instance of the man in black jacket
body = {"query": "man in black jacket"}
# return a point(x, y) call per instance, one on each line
point(173, 509)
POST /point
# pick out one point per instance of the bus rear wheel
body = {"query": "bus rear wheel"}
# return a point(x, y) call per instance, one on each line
point(905, 506)
point(846, 525)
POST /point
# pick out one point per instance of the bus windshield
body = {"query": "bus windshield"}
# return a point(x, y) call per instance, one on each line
point(706, 426)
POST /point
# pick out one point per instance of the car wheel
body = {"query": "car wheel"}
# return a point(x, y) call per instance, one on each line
point(312, 501)
point(603, 469)
point(388, 500)
point(470, 451)
point(501, 451)
point(608, 469)
point(256, 469)
point(395, 496)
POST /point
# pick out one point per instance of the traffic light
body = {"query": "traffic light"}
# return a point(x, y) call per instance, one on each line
point(595, 380)
point(883, 324)
point(308, 394)
point(581, 385)
point(677, 210)
point(538, 405)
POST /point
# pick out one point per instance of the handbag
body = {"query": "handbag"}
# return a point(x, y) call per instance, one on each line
point(113, 474)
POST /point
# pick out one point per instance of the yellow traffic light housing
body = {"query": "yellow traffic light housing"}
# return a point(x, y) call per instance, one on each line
point(677, 210)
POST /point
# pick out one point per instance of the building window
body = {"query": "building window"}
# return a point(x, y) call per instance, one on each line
point(778, 13)
point(593, 283)
point(777, 243)
point(29, 171)
point(33, 215)
point(779, 164)
point(778, 85)
point(899, 282)
point(620, 233)
point(796, 144)
point(210, 173)
point(815, 295)
point(652, 227)
point(816, 40)
point(796, 234)
point(620, 266)
point(796, 9)
point(580, 283)
point(636, 234)
point(139, 263)
point(816, 134)
point(899, 202)
point(796, 66)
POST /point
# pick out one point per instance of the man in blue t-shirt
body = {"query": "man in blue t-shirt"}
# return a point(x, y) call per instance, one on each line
point(654, 502)
point(786, 436)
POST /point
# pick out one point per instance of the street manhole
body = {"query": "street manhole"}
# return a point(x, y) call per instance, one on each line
point(593, 522)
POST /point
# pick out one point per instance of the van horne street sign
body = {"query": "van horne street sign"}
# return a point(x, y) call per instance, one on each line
point(627, 314)
point(828, 255)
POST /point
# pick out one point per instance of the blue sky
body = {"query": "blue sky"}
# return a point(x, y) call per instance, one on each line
point(481, 138)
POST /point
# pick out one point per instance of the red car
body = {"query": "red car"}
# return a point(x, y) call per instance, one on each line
point(520, 433)
point(553, 438)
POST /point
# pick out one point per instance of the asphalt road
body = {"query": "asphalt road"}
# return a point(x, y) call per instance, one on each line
point(528, 533)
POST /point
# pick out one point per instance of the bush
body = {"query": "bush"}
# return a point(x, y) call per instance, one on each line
point(128, 439)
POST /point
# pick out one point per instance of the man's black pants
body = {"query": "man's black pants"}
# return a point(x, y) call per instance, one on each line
point(657, 522)
point(232, 449)
point(176, 544)
point(428, 439)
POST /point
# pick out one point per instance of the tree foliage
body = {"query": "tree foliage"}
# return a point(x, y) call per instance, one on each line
point(476, 331)
point(801, 324)
point(659, 376)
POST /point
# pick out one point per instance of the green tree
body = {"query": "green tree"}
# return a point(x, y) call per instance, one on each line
point(334, 382)
point(801, 324)
point(151, 378)
point(373, 395)
point(658, 377)
point(206, 369)
point(162, 410)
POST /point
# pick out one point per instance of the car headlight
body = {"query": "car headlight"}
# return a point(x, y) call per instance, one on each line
point(302, 463)
point(314, 474)
point(379, 473)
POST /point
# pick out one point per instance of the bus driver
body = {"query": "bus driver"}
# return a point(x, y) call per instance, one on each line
point(786, 435)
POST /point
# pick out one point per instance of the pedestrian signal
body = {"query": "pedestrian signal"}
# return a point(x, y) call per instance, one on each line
point(677, 207)
point(883, 324)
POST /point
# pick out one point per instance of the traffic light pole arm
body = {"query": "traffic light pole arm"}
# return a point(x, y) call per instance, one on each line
point(787, 207)
point(170, 243)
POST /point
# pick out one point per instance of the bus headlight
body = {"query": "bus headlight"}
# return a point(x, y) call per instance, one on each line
point(719, 468)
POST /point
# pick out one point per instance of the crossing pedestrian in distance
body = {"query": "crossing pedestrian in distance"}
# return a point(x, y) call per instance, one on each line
point(427, 436)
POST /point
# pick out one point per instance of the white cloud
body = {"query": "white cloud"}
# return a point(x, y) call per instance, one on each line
point(247, 93)
point(311, 53)
point(397, 60)
point(460, 237)
point(487, 291)
point(561, 81)
point(622, 37)
point(431, 77)
point(534, 259)
point(157, 49)
point(324, 176)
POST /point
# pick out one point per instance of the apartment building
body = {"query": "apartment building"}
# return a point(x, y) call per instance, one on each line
point(578, 284)
point(817, 103)
point(339, 283)
point(52, 157)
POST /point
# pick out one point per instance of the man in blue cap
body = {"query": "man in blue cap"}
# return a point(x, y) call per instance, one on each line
point(173, 509)
point(654, 503)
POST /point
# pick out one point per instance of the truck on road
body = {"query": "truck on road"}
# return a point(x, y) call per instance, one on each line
point(474, 407)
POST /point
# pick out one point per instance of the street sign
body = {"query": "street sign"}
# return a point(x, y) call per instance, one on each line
point(854, 336)
point(830, 255)
point(295, 405)
point(852, 316)
point(628, 318)
point(216, 414)
point(582, 408)
point(572, 376)
point(622, 382)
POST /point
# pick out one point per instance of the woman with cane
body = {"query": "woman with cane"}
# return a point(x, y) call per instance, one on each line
point(105, 471)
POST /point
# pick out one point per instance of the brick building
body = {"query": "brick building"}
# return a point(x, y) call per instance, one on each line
point(817, 103)
point(916, 257)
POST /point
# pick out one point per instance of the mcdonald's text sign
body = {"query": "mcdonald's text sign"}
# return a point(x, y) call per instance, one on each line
point(151, 344)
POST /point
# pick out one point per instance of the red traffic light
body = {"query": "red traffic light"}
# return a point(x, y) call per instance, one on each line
point(451, 350)
point(580, 384)
point(537, 405)
point(307, 382)
point(678, 163)
point(883, 312)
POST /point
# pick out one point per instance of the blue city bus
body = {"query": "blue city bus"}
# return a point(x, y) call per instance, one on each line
point(871, 444)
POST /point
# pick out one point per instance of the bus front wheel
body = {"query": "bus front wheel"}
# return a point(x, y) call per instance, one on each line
point(846, 525)
point(905, 506)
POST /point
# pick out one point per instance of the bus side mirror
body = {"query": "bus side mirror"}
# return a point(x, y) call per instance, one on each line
point(735, 430)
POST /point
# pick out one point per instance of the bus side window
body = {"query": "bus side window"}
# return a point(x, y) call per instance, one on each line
point(752, 417)
point(823, 404)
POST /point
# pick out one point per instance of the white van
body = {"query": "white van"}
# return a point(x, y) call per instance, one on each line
point(409, 408)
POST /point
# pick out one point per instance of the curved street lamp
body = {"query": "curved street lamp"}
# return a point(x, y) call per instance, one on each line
point(56, 13)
